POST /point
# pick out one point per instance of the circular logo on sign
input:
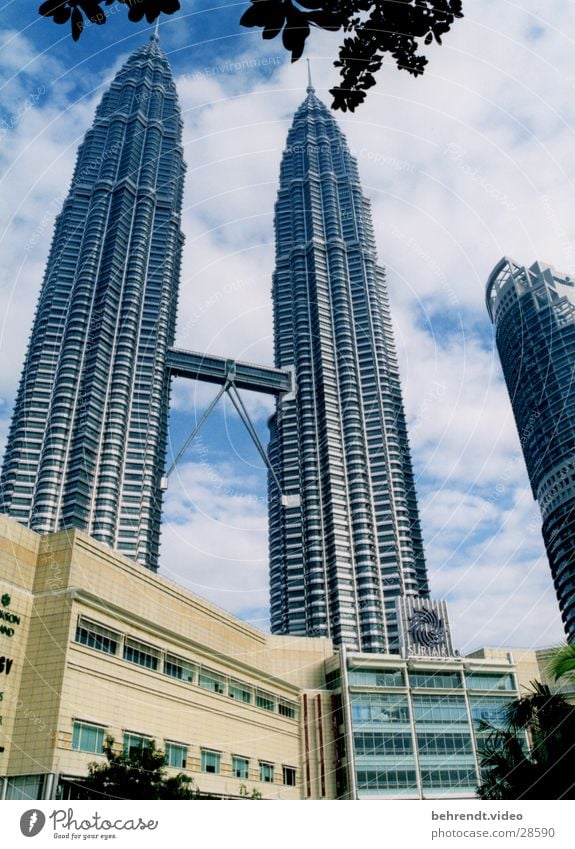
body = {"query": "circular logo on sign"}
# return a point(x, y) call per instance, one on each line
point(426, 628)
point(32, 822)
point(5, 600)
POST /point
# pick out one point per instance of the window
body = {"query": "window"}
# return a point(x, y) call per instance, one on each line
point(266, 772)
point(286, 708)
point(211, 761)
point(435, 680)
point(489, 681)
point(265, 700)
point(376, 678)
point(240, 767)
point(135, 743)
point(176, 755)
point(88, 738)
point(140, 653)
point(176, 667)
point(240, 691)
point(439, 709)
point(97, 636)
point(289, 775)
point(211, 681)
point(25, 787)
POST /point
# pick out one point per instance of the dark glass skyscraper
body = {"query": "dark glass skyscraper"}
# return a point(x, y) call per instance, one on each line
point(345, 539)
point(87, 441)
point(533, 311)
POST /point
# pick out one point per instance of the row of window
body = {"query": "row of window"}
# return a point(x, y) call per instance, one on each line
point(90, 738)
point(375, 744)
point(98, 637)
point(431, 680)
point(406, 779)
point(390, 709)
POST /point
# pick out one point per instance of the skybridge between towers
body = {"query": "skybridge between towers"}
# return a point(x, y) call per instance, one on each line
point(232, 375)
point(212, 369)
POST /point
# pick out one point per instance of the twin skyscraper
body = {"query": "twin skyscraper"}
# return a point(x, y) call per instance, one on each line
point(87, 444)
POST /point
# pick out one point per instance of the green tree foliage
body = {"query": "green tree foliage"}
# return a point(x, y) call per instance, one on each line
point(547, 770)
point(562, 663)
point(372, 28)
point(139, 774)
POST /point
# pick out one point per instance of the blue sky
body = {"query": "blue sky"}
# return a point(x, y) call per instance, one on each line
point(469, 163)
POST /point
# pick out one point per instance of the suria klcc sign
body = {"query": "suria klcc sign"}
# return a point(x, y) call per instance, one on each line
point(7, 619)
point(424, 628)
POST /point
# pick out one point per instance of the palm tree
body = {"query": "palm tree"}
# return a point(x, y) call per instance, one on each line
point(562, 664)
point(547, 769)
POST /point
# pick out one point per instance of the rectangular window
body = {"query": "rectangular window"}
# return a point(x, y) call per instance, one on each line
point(241, 692)
point(240, 767)
point(140, 653)
point(376, 678)
point(88, 738)
point(211, 681)
point(489, 681)
point(289, 775)
point(211, 761)
point(439, 709)
point(288, 709)
point(265, 700)
point(266, 772)
point(177, 667)
point(97, 636)
point(176, 755)
point(435, 680)
point(135, 743)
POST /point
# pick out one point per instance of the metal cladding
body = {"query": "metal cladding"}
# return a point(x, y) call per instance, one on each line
point(344, 550)
point(87, 440)
point(533, 310)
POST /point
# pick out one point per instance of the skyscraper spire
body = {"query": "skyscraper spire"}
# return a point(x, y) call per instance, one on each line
point(156, 34)
point(345, 541)
point(310, 89)
point(88, 435)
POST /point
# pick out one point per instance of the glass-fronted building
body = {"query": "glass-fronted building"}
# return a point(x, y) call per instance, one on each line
point(533, 312)
point(411, 728)
point(345, 538)
point(88, 435)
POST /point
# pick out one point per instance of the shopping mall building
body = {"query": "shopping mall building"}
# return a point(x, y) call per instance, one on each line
point(93, 645)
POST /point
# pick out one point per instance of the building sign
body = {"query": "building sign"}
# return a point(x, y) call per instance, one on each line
point(7, 618)
point(424, 628)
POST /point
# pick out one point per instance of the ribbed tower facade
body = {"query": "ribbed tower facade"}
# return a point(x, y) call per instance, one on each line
point(87, 440)
point(533, 311)
point(345, 539)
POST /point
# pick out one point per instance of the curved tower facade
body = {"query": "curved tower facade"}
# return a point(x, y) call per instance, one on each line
point(345, 539)
point(87, 441)
point(533, 311)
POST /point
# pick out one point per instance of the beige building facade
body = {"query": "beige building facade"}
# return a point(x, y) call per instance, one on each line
point(92, 645)
point(95, 645)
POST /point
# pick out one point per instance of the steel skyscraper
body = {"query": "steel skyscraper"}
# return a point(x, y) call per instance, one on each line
point(533, 311)
point(87, 441)
point(345, 538)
